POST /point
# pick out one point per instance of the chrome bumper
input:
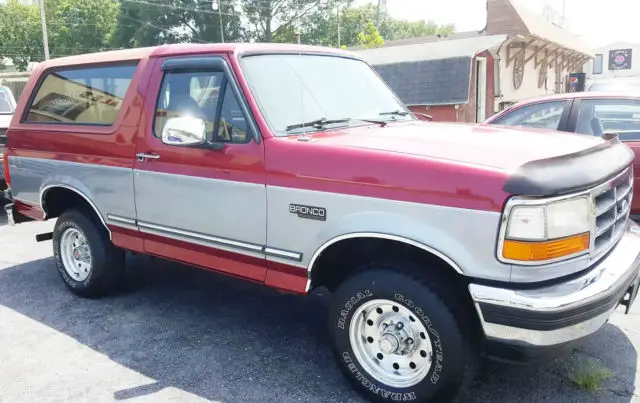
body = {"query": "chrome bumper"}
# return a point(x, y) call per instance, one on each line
point(559, 314)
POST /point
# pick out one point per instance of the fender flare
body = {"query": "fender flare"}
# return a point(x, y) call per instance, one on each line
point(47, 188)
point(377, 235)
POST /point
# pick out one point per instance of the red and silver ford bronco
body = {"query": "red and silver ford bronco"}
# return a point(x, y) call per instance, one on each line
point(297, 167)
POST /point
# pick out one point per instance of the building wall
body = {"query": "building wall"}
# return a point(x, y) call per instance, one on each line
point(606, 73)
point(529, 88)
point(440, 113)
point(466, 113)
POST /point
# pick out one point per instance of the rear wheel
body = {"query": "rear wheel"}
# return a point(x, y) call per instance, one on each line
point(396, 339)
point(86, 259)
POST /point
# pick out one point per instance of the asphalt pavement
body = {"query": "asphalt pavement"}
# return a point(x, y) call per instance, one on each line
point(179, 334)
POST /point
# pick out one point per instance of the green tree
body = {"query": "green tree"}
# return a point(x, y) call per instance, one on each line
point(148, 23)
point(20, 34)
point(370, 38)
point(275, 20)
point(80, 26)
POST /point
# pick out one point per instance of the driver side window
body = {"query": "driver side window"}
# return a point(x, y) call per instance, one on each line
point(544, 115)
point(207, 96)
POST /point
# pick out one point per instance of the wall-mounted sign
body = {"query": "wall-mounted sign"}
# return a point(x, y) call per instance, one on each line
point(620, 59)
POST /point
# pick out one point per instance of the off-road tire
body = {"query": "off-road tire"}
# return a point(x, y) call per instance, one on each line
point(108, 262)
point(435, 303)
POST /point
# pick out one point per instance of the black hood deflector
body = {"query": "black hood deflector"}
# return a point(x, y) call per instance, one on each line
point(571, 172)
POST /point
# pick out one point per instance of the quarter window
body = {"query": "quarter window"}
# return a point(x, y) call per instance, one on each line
point(205, 95)
point(85, 96)
point(544, 115)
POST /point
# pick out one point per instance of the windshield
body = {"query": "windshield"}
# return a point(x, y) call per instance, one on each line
point(291, 89)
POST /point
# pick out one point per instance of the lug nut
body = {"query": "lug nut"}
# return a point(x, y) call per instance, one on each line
point(399, 326)
point(409, 341)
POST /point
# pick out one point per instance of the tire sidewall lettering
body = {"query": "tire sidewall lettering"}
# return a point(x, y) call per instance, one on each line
point(342, 322)
point(373, 386)
point(58, 257)
point(350, 304)
point(437, 362)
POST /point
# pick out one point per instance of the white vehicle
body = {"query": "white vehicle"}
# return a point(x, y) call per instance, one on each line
point(621, 85)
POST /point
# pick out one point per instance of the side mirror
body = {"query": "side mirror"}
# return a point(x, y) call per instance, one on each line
point(424, 115)
point(184, 131)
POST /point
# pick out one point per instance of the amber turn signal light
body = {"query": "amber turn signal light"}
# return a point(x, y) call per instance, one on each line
point(545, 250)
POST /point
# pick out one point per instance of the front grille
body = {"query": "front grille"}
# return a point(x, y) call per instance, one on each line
point(3, 137)
point(612, 202)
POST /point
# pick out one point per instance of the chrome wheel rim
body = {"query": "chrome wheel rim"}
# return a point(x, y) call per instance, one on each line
point(390, 343)
point(75, 254)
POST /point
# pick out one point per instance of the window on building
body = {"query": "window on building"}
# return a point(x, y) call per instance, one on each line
point(88, 96)
point(597, 64)
point(205, 95)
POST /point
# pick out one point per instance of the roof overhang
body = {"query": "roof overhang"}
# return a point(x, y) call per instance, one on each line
point(541, 50)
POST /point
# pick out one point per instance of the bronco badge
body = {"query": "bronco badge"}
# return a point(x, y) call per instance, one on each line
point(310, 212)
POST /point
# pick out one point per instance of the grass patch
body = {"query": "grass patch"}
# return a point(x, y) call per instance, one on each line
point(590, 375)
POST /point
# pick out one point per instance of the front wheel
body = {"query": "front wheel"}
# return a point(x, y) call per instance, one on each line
point(398, 340)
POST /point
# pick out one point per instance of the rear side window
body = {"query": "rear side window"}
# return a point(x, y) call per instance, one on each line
point(85, 96)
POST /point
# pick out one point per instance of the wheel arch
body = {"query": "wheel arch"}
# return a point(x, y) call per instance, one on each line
point(315, 266)
point(53, 204)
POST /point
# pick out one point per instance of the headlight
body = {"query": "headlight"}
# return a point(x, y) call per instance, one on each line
point(546, 232)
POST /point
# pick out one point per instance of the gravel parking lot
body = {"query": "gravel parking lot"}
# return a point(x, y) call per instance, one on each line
point(183, 334)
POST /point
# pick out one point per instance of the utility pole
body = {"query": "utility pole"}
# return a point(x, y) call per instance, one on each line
point(378, 14)
point(338, 17)
point(215, 6)
point(45, 39)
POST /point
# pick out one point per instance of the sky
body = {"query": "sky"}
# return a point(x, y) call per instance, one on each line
point(595, 23)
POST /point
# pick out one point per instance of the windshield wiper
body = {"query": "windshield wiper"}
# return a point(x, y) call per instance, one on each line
point(318, 123)
point(321, 123)
point(396, 112)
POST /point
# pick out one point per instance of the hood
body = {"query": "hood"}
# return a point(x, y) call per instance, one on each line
point(5, 120)
point(500, 147)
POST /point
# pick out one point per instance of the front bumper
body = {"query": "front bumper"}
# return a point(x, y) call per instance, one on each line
point(527, 324)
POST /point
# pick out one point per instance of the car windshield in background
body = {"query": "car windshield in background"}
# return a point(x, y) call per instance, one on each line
point(618, 86)
point(292, 89)
point(6, 106)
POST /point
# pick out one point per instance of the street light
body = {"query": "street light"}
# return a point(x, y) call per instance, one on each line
point(216, 7)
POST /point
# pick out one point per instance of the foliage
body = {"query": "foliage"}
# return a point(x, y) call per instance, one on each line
point(83, 26)
point(20, 34)
point(590, 375)
point(80, 26)
point(148, 23)
point(370, 38)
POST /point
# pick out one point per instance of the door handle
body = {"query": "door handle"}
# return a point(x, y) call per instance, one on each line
point(142, 156)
